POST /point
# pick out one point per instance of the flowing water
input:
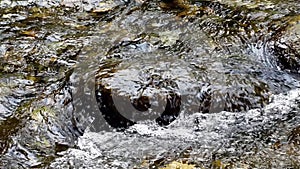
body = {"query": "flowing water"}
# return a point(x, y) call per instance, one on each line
point(149, 84)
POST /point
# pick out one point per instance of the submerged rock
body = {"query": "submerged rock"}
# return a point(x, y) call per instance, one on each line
point(136, 69)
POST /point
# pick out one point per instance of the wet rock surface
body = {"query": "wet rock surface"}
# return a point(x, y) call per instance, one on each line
point(228, 71)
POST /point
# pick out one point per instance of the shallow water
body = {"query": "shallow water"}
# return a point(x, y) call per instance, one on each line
point(257, 138)
point(233, 67)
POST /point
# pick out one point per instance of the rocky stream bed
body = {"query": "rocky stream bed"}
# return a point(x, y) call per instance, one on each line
point(149, 84)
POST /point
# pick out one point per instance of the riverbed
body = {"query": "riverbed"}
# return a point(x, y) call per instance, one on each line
point(149, 84)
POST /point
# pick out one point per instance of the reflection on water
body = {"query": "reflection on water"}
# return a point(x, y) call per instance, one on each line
point(230, 69)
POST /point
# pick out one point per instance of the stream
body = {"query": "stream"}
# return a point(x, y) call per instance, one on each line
point(149, 84)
